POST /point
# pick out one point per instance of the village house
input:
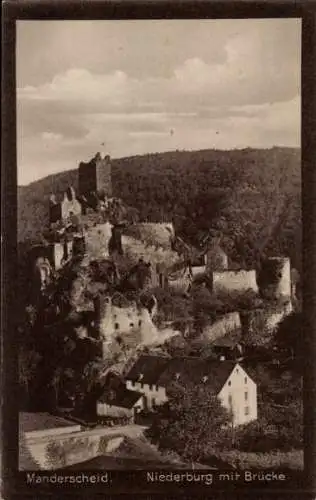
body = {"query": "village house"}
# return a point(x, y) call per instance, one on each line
point(229, 347)
point(154, 375)
point(144, 376)
point(119, 404)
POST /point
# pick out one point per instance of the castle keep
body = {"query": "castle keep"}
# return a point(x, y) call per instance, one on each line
point(95, 176)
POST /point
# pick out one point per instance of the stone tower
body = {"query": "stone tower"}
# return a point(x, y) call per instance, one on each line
point(95, 176)
point(276, 277)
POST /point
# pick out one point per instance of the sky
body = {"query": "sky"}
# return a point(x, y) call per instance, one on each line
point(136, 87)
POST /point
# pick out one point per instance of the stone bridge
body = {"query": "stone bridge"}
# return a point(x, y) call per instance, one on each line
point(56, 451)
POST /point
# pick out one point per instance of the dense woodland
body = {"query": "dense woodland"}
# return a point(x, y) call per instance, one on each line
point(250, 197)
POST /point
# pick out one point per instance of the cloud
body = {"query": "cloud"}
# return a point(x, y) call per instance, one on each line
point(241, 91)
point(50, 136)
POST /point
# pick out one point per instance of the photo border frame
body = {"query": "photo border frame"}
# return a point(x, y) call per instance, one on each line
point(87, 10)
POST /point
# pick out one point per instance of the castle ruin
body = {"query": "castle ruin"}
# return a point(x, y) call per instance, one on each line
point(68, 206)
point(95, 176)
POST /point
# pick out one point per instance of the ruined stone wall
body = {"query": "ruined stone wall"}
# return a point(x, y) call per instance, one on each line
point(234, 282)
point(259, 324)
point(274, 318)
point(97, 240)
point(196, 270)
point(68, 206)
point(155, 234)
point(59, 254)
point(113, 320)
point(136, 249)
point(180, 283)
point(134, 325)
point(223, 326)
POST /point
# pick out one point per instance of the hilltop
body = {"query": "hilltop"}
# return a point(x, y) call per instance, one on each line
point(239, 193)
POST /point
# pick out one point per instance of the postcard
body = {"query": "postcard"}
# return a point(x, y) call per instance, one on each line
point(157, 309)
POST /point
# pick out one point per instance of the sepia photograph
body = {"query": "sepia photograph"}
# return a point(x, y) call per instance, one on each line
point(159, 247)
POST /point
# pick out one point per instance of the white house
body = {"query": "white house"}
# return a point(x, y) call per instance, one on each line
point(153, 375)
point(239, 394)
point(144, 376)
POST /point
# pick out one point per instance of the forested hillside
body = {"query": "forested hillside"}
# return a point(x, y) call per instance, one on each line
point(251, 197)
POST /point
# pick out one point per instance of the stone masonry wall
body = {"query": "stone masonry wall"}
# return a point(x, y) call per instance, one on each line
point(234, 282)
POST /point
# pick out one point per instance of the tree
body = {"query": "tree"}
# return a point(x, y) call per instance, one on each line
point(279, 427)
point(90, 382)
point(28, 363)
point(289, 336)
point(191, 423)
point(55, 385)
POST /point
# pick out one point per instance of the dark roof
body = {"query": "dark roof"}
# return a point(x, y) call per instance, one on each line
point(150, 367)
point(188, 370)
point(121, 397)
point(184, 370)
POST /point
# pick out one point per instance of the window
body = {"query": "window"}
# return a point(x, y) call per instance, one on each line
point(131, 325)
point(229, 383)
point(245, 380)
point(247, 411)
point(246, 396)
point(230, 400)
point(116, 326)
point(150, 387)
point(237, 371)
point(140, 322)
point(153, 402)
